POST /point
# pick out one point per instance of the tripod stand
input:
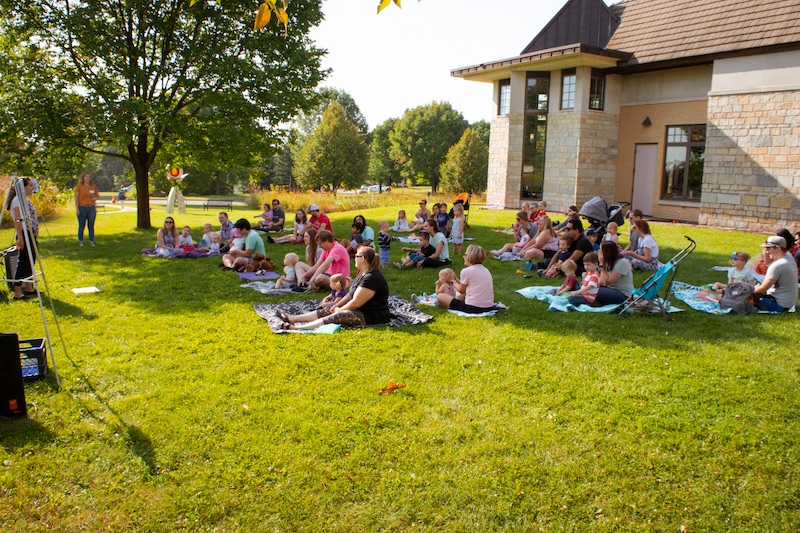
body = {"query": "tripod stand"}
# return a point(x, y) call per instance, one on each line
point(23, 223)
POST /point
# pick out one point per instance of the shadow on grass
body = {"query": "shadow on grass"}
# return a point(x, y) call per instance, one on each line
point(23, 432)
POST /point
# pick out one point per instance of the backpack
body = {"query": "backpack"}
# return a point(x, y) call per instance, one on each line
point(738, 297)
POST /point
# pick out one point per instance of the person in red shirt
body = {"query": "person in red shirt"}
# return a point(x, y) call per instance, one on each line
point(319, 221)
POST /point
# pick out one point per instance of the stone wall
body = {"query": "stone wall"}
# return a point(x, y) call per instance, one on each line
point(505, 162)
point(752, 168)
point(580, 162)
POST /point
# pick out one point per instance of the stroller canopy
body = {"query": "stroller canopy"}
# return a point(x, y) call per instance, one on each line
point(595, 209)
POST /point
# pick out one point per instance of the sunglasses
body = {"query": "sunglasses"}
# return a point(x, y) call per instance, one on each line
point(735, 257)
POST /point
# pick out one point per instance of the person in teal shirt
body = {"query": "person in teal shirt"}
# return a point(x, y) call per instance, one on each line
point(253, 244)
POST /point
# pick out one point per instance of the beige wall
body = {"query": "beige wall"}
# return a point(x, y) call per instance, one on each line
point(632, 132)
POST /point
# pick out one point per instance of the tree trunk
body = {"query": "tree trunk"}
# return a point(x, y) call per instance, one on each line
point(141, 160)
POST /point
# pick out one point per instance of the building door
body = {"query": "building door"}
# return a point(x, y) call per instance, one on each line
point(644, 177)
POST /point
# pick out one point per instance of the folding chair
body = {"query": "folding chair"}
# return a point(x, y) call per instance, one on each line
point(648, 297)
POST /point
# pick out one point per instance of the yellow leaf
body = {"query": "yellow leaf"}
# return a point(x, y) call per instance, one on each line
point(193, 2)
point(383, 4)
point(262, 17)
point(282, 16)
point(397, 3)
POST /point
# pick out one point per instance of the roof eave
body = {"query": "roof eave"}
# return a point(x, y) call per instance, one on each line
point(543, 60)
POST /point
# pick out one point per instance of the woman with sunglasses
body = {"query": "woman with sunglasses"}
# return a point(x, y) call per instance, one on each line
point(167, 245)
point(367, 301)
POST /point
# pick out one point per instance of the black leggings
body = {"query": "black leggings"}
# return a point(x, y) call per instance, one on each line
point(24, 267)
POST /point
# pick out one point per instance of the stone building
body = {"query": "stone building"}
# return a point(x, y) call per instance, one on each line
point(689, 109)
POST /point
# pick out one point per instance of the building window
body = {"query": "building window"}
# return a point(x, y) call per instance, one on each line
point(683, 163)
point(535, 134)
point(568, 88)
point(597, 90)
point(504, 102)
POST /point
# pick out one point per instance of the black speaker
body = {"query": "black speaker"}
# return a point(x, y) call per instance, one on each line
point(12, 389)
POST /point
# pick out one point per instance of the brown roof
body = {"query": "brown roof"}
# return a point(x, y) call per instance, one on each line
point(663, 30)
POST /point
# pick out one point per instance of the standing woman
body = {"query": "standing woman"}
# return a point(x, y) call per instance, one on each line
point(86, 196)
point(24, 264)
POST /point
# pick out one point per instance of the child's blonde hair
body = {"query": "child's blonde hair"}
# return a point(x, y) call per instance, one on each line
point(447, 274)
point(291, 258)
point(383, 224)
point(401, 212)
point(207, 225)
point(339, 280)
point(215, 236)
point(612, 226)
point(526, 206)
point(569, 265)
point(543, 204)
point(458, 209)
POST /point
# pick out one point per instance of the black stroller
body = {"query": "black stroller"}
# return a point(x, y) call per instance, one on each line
point(599, 214)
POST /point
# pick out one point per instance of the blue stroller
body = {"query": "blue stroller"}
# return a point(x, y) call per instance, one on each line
point(647, 298)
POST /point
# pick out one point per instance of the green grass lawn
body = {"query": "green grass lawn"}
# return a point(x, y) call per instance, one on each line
point(181, 411)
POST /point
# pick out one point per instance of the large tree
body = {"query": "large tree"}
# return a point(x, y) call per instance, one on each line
point(421, 138)
point(307, 122)
point(144, 74)
point(334, 156)
point(383, 169)
point(466, 167)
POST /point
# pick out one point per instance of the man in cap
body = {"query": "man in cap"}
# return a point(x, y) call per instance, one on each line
point(778, 292)
point(319, 221)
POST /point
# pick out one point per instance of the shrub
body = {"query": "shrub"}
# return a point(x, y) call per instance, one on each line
point(49, 202)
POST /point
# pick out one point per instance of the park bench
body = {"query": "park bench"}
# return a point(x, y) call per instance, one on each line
point(218, 203)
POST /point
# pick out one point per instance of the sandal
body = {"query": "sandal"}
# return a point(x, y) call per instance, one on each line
point(280, 313)
point(286, 326)
point(23, 297)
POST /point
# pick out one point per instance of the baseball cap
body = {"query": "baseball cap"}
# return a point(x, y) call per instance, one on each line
point(774, 241)
point(313, 207)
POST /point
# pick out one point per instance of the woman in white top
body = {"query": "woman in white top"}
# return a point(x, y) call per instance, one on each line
point(646, 255)
point(300, 223)
point(24, 270)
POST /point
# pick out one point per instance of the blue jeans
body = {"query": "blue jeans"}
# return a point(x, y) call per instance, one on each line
point(607, 295)
point(86, 215)
point(769, 304)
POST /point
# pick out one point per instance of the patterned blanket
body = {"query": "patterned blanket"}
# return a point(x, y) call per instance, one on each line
point(560, 303)
point(404, 313)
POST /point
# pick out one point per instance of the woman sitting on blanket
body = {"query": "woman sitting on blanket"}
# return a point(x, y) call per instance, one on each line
point(300, 223)
point(167, 240)
point(646, 255)
point(475, 284)
point(616, 276)
point(367, 301)
point(545, 245)
point(524, 231)
point(312, 252)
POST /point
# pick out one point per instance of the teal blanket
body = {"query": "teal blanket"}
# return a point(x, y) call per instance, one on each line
point(559, 303)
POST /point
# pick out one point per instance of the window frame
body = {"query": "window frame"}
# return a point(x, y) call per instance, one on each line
point(598, 78)
point(569, 81)
point(690, 147)
point(535, 130)
point(504, 96)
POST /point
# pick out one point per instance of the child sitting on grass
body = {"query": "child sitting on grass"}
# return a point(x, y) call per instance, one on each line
point(384, 243)
point(401, 224)
point(266, 218)
point(563, 254)
point(587, 294)
point(444, 285)
point(339, 286)
point(612, 233)
point(185, 241)
point(568, 267)
point(205, 240)
point(739, 272)
point(290, 276)
point(416, 257)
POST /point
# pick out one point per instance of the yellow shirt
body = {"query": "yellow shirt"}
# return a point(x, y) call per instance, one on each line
point(86, 195)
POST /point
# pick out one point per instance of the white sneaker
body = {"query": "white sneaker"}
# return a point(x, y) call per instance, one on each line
point(415, 298)
point(80, 243)
point(91, 243)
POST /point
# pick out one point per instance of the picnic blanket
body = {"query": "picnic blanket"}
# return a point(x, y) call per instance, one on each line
point(408, 239)
point(430, 300)
point(266, 287)
point(252, 276)
point(560, 303)
point(696, 298)
point(404, 313)
point(509, 256)
point(759, 277)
